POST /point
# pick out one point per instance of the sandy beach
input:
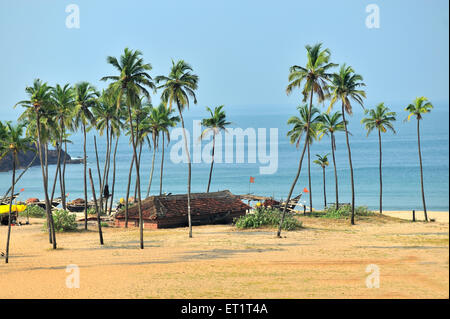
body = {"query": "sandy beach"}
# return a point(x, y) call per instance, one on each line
point(437, 216)
point(326, 259)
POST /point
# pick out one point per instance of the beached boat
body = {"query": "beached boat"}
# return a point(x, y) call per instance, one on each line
point(4, 213)
point(6, 200)
point(41, 203)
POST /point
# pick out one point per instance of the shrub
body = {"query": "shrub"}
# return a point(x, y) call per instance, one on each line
point(33, 211)
point(346, 211)
point(64, 221)
point(267, 217)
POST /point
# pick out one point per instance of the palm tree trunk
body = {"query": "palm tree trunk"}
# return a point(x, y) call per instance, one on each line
point(324, 189)
point(10, 207)
point(114, 176)
point(128, 191)
point(162, 167)
point(309, 181)
point(105, 167)
point(99, 174)
point(189, 173)
point(153, 166)
point(85, 178)
point(139, 160)
point(138, 179)
point(58, 163)
point(421, 172)
point(51, 229)
point(333, 147)
point(298, 170)
point(63, 195)
point(381, 175)
point(96, 209)
point(351, 166)
point(21, 174)
point(109, 165)
point(212, 162)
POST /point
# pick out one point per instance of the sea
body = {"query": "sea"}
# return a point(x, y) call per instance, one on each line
point(272, 161)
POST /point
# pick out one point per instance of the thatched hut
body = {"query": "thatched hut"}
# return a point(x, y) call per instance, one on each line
point(171, 211)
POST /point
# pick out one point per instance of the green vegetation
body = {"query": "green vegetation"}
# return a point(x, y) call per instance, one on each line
point(63, 221)
point(345, 211)
point(33, 211)
point(267, 217)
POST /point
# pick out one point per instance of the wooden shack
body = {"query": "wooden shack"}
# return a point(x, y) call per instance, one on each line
point(171, 211)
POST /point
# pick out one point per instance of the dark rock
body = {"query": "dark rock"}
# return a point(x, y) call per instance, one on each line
point(26, 157)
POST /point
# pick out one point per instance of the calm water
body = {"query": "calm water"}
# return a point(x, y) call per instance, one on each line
point(401, 175)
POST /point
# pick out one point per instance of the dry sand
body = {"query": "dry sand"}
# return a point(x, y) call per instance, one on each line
point(327, 259)
point(437, 216)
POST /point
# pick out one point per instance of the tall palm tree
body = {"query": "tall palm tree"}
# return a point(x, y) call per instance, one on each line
point(85, 98)
point(150, 125)
point(313, 78)
point(168, 121)
point(12, 143)
point(420, 106)
point(63, 101)
point(38, 106)
point(322, 161)
point(116, 128)
point(216, 123)
point(132, 82)
point(177, 87)
point(380, 119)
point(105, 112)
point(308, 124)
point(345, 86)
point(329, 125)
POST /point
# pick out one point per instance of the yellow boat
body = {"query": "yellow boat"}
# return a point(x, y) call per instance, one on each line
point(15, 208)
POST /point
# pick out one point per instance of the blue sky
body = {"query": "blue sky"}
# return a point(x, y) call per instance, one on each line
point(241, 50)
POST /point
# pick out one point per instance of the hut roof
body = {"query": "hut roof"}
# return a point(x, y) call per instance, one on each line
point(156, 207)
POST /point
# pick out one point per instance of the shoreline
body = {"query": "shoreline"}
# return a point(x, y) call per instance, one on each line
point(438, 216)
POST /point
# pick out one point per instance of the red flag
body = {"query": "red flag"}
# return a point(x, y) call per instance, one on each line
point(305, 190)
point(252, 179)
point(22, 189)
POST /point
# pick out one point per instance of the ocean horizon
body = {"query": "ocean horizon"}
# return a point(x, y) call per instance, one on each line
point(401, 175)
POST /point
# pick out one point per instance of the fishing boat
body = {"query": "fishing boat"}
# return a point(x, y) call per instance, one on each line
point(7, 200)
point(4, 213)
point(54, 204)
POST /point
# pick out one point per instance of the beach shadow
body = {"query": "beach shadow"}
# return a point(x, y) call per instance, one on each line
point(222, 253)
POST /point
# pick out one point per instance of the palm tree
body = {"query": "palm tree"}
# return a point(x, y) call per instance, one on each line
point(216, 123)
point(85, 98)
point(380, 119)
point(314, 76)
point(178, 86)
point(116, 128)
point(322, 161)
point(38, 106)
point(13, 142)
point(419, 107)
point(63, 101)
point(132, 82)
point(151, 125)
point(308, 124)
point(345, 86)
point(168, 121)
point(329, 125)
point(106, 114)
